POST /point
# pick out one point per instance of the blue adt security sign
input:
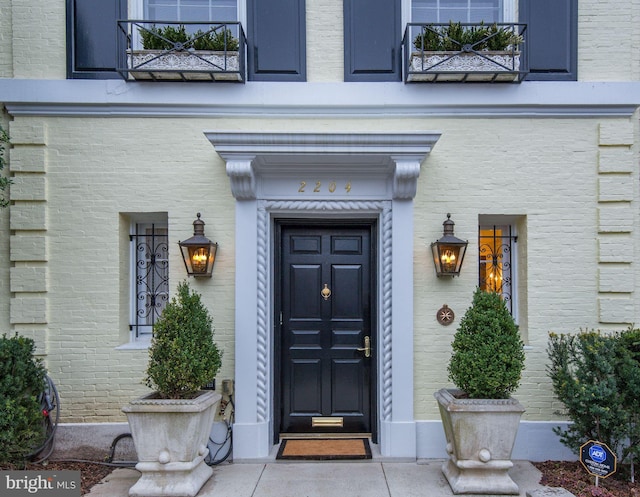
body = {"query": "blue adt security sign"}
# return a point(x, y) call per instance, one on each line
point(598, 459)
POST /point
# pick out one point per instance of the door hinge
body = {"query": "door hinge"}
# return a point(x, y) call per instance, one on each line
point(280, 318)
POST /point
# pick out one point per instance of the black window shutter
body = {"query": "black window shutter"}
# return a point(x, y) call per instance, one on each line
point(552, 38)
point(92, 31)
point(372, 40)
point(276, 37)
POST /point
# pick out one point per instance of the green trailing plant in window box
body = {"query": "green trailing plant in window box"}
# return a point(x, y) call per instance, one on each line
point(455, 36)
point(171, 53)
point(171, 37)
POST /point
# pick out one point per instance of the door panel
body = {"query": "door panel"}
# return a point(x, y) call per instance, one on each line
point(304, 304)
point(322, 372)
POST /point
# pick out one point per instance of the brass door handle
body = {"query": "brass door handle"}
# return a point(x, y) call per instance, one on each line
point(367, 347)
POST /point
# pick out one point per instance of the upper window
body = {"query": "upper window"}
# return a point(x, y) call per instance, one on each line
point(190, 10)
point(442, 11)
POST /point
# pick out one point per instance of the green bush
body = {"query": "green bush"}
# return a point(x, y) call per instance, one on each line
point(21, 381)
point(597, 378)
point(183, 356)
point(488, 356)
point(155, 38)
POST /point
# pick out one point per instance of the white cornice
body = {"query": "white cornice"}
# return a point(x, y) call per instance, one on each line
point(309, 100)
point(251, 155)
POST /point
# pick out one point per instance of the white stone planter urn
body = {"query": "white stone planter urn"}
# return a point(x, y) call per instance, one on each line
point(170, 437)
point(480, 436)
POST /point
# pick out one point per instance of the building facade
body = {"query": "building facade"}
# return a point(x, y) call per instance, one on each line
point(324, 160)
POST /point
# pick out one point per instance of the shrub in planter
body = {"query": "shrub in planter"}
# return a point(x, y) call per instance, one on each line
point(480, 419)
point(183, 356)
point(21, 382)
point(488, 356)
point(171, 426)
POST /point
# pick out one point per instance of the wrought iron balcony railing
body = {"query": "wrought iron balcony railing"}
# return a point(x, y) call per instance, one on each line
point(182, 51)
point(459, 52)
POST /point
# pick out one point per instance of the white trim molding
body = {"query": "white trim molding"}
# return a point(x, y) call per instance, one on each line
point(267, 172)
point(115, 98)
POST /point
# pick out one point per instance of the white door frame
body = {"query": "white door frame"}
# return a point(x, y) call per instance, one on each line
point(346, 175)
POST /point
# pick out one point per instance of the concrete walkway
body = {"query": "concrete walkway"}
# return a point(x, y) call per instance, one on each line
point(325, 479)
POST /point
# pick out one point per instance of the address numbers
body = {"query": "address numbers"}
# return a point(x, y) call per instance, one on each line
point(318, 187)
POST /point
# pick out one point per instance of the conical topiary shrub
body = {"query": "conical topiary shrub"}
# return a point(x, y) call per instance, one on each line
point(488, 356)
point(481, 419)
point(183, 356)
point(171, 427)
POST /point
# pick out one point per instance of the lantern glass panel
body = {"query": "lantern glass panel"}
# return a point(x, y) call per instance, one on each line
point(199, 257)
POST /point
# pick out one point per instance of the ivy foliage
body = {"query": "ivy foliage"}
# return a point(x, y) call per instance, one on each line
point(597, 378)
point(488, 356)
point(4, 181)
point(170, 37)
point(22, 427)
point(183, 356)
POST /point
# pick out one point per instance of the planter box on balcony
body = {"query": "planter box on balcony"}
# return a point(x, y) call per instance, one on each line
point(464, 66)
point(194, 65)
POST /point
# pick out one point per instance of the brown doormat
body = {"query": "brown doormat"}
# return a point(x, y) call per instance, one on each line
point(323, 449)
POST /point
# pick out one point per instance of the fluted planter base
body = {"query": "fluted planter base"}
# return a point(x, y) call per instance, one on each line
point(480, 436)
point(171, 437)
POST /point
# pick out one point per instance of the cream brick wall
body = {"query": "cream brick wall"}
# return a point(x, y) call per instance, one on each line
point(39, 39)
point(605, 37)
point(6, 61)
point(28, 275)
point(95, 170)
point(548, 172)
point(608, 40)
point(325, 40)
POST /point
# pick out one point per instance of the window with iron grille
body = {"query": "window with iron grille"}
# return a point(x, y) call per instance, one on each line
point(150, 276)
point(496, 249)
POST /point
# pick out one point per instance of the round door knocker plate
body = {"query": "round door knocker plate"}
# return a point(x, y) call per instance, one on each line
point(445, 316)
point(325, 292)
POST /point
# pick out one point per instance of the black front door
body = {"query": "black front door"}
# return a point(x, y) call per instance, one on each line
point(326, 338)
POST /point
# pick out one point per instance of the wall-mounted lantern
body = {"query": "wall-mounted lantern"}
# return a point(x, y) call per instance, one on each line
point(448, 251)
point(198, 252)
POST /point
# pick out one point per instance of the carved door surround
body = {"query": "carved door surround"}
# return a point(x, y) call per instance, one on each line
point(323, 175)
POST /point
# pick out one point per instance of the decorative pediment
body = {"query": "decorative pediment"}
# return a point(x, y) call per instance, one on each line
point(395, 156)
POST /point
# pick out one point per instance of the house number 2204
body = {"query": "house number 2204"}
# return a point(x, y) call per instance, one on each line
point(317, 186)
